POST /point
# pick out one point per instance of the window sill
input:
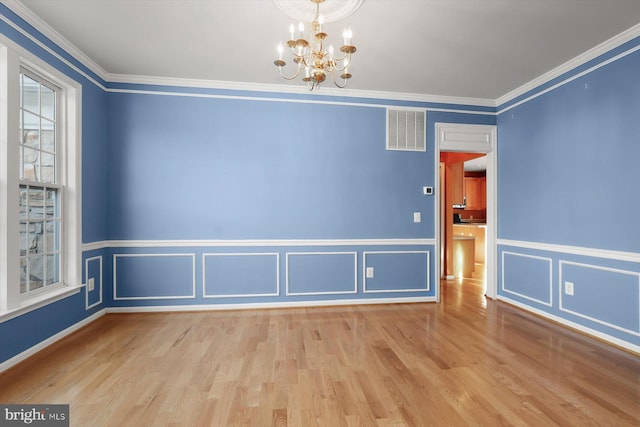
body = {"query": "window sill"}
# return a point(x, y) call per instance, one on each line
point(40, 301)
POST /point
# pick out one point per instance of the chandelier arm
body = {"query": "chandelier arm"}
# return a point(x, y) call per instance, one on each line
point(343, 67)
point(342, 58)
point(333, 78)
point(297, 73)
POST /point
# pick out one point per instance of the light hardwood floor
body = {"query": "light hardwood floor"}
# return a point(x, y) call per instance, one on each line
point(466, 361)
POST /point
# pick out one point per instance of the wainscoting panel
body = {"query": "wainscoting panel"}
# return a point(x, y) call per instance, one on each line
point(528, 276)
point(240, 275)
point(154, 276)
point(93, 270)
point(321, 273)
point(396, 271)
point(596, 290)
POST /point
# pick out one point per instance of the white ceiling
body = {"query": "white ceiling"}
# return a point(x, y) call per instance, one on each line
point(460, 48)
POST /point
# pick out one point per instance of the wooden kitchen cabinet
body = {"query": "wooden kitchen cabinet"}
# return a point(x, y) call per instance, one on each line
point(457, 182)
point(475, 189)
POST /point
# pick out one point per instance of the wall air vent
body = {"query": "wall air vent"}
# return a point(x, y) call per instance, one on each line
point(406, 129)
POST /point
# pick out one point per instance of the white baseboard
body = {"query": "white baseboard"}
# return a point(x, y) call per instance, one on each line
point(588, 331)
point(52, 339)
point(258, 306)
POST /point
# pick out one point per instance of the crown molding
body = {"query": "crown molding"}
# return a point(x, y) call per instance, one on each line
point(296, 89)
point(572, 64)
point(40, 25)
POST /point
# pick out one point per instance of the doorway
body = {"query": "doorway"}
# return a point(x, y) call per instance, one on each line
point(459, 143)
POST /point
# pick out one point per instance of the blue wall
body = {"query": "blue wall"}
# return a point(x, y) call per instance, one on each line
point(304, 180)
point(568, 196)
point(206, 168)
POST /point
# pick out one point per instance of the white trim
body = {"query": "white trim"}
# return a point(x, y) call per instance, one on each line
point(41, 300)
point(578, 327)
point(164, 92)
point(593, 319)
point(574, 250)
point(364, 272)
point(465, 137)
point(489, 147)
point(254, 243)
point(297, 89)
point(52, 339)
point(204, 275)
point(266, 305)
point(115, 277)
point(504, 288)
point(86, 281)
point(355, 274)
point(570, 65)
point(94, 246)
point(9, 214)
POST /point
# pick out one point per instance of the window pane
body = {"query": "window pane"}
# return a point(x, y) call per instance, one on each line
point(36, 245)
point(51, 204)
point(30, 164)
point(47, 136)
point(23, 239)
point(51, 236)
point(31, 130)
point(23, 275)
point(36, 272)
point(48, 102)
point(23, 203)
point(47, 167)
point(52, 269)
point(30, 92)
point(36, 203)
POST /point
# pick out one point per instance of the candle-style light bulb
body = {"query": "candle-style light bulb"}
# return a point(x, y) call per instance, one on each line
point(347, 34)
point(320, 22)
point(280, 50)
point(292, 30)
point(301, 29)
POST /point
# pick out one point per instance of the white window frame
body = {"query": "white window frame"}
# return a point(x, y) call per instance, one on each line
point(13, 58)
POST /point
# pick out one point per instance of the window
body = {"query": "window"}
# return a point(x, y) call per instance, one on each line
point(40, 217)
point(40, 191)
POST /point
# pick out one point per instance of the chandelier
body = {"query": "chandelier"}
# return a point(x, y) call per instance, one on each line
point(317, 61)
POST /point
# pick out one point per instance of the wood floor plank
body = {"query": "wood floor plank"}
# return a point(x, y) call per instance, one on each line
point(466, 361)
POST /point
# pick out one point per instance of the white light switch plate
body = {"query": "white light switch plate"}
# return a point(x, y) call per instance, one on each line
point(369, 272)
point(91, 284)
point(568, 288)
point(417, 217)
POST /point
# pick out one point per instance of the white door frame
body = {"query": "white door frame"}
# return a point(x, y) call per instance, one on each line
point(471, 139)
